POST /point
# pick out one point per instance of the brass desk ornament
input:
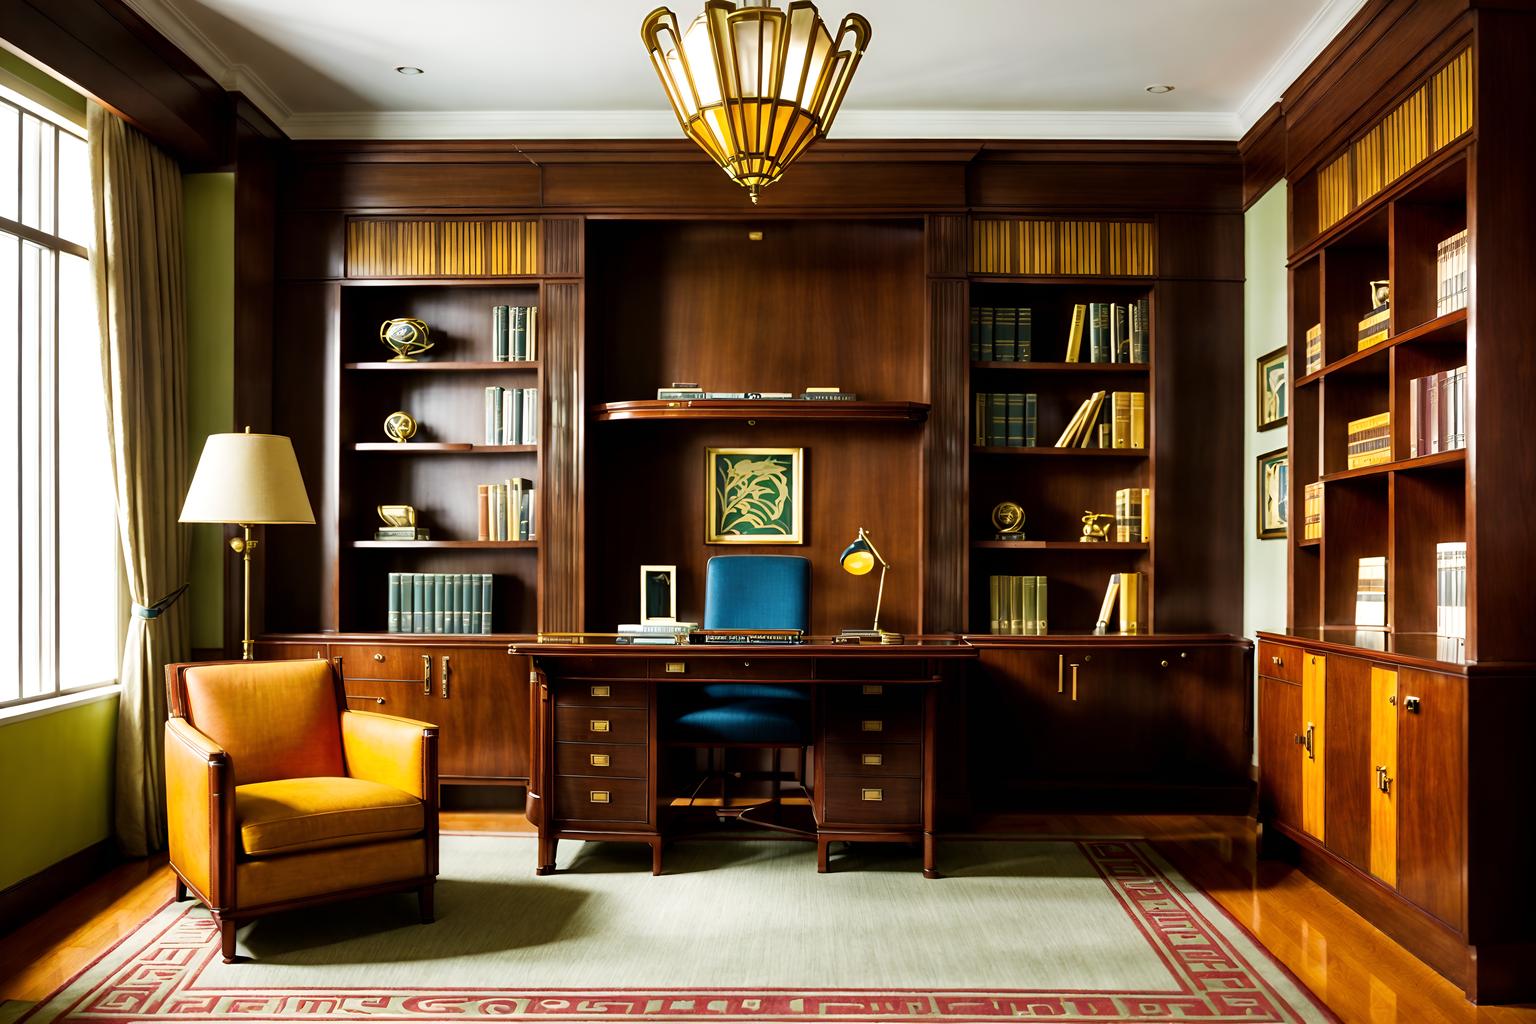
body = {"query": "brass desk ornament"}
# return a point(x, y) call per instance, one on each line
point(1008, 517)
point(1094, 531)
point(400, 426)
point(398, 516)
point(406, 337)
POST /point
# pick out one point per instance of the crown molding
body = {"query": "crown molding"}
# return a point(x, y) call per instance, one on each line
point(1325, 25)
point(852, 124)
point(165, 18)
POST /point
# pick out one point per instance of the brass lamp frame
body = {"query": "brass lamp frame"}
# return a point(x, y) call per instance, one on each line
point(874, 634)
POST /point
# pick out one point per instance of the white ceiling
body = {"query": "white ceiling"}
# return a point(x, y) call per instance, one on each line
point(577, 69)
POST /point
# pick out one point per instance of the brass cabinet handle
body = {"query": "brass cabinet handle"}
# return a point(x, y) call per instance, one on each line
point(1311, 742)
point(376, 700)
point(873, 689)
point(599, 760)
point(599, 691)
point(874, 795)
point(1278, 661)
point(378, 657)
point(446, 670)
point(1392, 699)
point(1383, 780)
point(319, 656)
point(1411, 704)
point(426, 675)
point(872, 760)
point(598, 796)
point(1061, 673)
point(677, 667)
point(1074, 681)
point(871, 725)
point(598, 725)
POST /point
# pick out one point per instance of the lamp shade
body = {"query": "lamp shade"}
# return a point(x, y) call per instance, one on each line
point(248, 479)
point(857, 558)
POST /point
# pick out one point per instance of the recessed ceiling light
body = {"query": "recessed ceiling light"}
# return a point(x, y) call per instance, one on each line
point(406, 70)
point(1158, 90)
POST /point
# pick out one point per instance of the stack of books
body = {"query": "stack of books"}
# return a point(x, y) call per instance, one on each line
point(1451, 274)
point(401, 533)
point(438, 602)
point(1017, 605)
point(1314, 348)
point(658, 633)
point(1108, 420)
point(1133, 515)
point(1312, 512)
point(1371, 592)
point(1373, 328)
point(511, 415)
point(506, 511)
point(1002, 334)
point(1128, 587)
point(1437, 410)
point(1006, 420)
point(1370, 441)
point(1117, 332)
point(514, 334)
point(1451, 588)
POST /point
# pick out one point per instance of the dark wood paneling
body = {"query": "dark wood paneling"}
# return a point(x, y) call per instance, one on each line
point(946, 238)
point(311, 244)
point(564, 245)
point(1263, 151)
point(1107, 177)
point(563, 531)
point(944, 456)
point(115, 56)
point(1431, 794)
point(1501, 768)
point(1202, 245)
point(434, 183)
point(1347, 760)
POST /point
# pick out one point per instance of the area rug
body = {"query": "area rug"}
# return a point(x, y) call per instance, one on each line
point(1090, 930)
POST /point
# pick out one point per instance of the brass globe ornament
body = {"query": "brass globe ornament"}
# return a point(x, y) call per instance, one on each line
point(406, 337)
point(400, 426)
point(1008, 517)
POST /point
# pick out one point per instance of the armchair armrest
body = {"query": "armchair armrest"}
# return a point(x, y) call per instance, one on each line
point(200, 807)
point(398, 752)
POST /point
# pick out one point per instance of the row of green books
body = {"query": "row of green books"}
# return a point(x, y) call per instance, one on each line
point(1018, 605)
point(511, 415)
point(439, 602)
point(1002, 334)
point(1006, 420)
point(514, 334)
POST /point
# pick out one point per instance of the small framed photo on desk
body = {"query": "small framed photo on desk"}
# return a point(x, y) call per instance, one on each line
point(658, 594)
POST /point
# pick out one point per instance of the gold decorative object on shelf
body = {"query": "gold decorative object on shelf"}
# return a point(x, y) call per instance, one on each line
point(1008, 517)
point(398, 516)
point(752, 84)
point(1096, 527)
point(1381, 292)
point(406, 337)
point(399, 426)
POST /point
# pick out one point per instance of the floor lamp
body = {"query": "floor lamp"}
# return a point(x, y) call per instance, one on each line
point(247, 480)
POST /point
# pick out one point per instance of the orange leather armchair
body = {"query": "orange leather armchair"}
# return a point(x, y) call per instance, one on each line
point(278, 797)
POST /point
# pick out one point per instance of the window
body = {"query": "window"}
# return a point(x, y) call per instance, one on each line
point(60, 612)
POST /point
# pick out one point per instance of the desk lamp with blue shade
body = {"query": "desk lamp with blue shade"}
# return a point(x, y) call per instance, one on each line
point(858, 559)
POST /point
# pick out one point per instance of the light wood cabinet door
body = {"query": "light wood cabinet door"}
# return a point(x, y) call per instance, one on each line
point(1383, 781)
point(1280, 751)
point(1314, 778)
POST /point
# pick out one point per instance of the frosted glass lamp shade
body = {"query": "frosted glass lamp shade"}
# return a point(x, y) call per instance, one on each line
point(248, 479)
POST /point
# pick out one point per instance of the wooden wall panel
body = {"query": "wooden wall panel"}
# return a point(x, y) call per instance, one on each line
point(944, 456)
point(946, 245)
point(432, 183)
point(1207, 246)
point(311, 245)
point(1107, 177)
point(1263, 151)
point(564, 246)
point(562, 534)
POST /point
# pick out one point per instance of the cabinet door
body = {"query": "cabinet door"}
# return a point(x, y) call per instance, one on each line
point(1017, 711)
point(1118, 716)
point(1383, 774)
point(391, 680)
point(1346, 771)
point(1209, 732)
point(1431, 793)
point(1280, 751)
point(481, 704)
point(1314, 688)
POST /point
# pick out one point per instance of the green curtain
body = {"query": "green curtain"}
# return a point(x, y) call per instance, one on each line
point(138, 261)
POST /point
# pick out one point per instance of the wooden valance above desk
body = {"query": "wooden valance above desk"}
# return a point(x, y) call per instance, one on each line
point(596, 769)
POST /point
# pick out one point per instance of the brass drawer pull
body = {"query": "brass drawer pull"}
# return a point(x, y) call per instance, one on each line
point(598, 796)
point(872, 760)
point(599, 725)
point(871, 725)
point(376, 700)
point(446, 669)
point(677, 667)
point(378, 657)
point(600, 691)
point(1061, 673)
point(872, 795)
point(426, 675)
point(598, 760)
point(1279, 661)
point(1074, 681)
point(873, 689)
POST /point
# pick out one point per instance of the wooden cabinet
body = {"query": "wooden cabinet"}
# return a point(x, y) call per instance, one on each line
point(1345, 781)
point(1432, 793)
point(1314, 710)
point(1280, 751)
point(1383, 786)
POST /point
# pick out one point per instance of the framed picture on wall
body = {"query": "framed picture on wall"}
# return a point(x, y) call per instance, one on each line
point(1274, 394)
point(1274, 479)
point(754, 495)
point(658, 594)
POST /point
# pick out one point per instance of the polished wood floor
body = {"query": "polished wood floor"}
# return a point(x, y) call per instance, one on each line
point(1360, 973)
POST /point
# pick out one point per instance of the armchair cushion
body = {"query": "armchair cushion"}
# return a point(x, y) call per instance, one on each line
point(288, 815)
point(277, 719)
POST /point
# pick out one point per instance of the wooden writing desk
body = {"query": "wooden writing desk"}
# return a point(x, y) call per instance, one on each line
point(596, 772)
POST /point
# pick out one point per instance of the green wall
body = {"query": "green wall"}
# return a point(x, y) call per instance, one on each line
point(209, 202)
point(57, 797)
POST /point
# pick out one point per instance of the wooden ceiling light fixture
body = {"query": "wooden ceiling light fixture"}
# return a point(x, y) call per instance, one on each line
point(752, 84)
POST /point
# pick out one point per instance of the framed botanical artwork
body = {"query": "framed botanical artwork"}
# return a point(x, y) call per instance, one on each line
point(1274, 484)
point(1274, 393)
point(754, 495)
point(658, 593)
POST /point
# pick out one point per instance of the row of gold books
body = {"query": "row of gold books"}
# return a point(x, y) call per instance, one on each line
point(1312, 512)
point(1128, 588)
point(1374, 326)
point(1314, 348)
point(1133, 515)
point(1108, 420)
point(1370, 441)
point(1018, 605)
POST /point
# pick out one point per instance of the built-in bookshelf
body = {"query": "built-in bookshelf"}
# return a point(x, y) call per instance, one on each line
point(1055, 486)
point(438, 471)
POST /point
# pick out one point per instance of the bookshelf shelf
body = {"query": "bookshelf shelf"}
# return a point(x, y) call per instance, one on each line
point(436, 448)
point(1050, 452)
point(1059, 545)
point(1072, 281)
point(763, 409)
point(1309, 542)
point(1072, 368)
point(1450, 329)
point(1423, 462)
point(461, 545)
point(446, 366)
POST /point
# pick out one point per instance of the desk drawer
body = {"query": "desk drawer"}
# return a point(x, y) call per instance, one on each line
point(744, 667)
point(878, 722)
point(595, 668)
point(588, 693)
point(579, 798)
point(873, 698)
point(870, 802)
point(872, 668)
point(390, 664)
point(876, 760)
point(601, 760)
point(1279, 661)
point(602, 725)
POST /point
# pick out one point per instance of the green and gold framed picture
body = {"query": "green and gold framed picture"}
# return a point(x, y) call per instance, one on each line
point(1274, 394)
point(754, 495)
point(1273, 476)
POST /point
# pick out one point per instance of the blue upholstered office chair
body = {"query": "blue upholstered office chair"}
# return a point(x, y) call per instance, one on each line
point(749, 592)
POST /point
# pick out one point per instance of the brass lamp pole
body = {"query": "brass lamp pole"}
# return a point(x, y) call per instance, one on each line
point(858, 559)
